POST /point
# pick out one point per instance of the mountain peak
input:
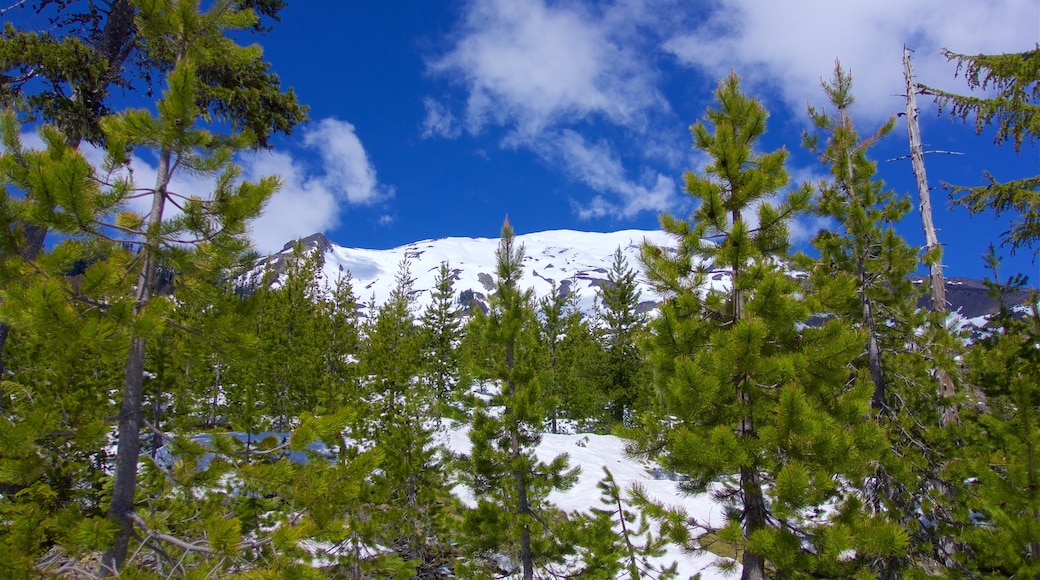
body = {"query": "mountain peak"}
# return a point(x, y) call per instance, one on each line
point(310, 243)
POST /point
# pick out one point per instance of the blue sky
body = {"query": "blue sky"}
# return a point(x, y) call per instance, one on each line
point(432, 119)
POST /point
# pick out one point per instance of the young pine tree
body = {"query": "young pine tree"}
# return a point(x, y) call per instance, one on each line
point(866, 253)
point(552, 315)
point(512, 514)
point(618, 539)
point(211, 227)
point(442, 328)
point(412, 472)
point(623, 325)
point(765, 409)
point(577, 367)
point(998, 509)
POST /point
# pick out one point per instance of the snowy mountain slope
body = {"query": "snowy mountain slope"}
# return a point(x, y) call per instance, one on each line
point(575, 261)
point(578, 261)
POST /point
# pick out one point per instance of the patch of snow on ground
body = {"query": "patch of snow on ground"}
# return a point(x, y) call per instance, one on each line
point(594, 452)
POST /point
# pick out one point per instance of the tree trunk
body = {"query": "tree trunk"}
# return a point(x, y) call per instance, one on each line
point(128, 447)
point(947, 389)
point(127, 452)
point(877, 375)
point(753, 564)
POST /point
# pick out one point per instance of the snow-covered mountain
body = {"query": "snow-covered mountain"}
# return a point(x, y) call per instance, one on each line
point(575, 261)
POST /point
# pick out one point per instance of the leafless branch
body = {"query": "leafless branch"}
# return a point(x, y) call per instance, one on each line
point(12, 7)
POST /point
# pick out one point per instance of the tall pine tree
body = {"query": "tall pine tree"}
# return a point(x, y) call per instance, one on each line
point(623, 325)
point(512, 514)
point(866, 253)
point(764, 408)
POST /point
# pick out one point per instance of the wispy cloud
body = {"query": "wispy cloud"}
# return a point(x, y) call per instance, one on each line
point(789, 45)
point(538, 70)
point(597, 165)
point(439, 121)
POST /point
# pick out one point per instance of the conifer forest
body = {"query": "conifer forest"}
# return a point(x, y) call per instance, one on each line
point(163, 414)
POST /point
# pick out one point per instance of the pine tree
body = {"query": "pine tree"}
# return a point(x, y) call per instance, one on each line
point(442, 326)
point(618, 539)
point(512, 514)
point(761, 403)
point(866, 253)
point(999, 501)
point(414, 520)
point(551, 311)
point(55, 408)
point(577, 365)
point(1015, 110)
point(625, 381)
point(290, 360)
point(340, 331)
point(216, 226)
point(65, 75)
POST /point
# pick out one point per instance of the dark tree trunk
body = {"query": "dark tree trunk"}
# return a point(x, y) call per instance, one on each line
point(129, 449)
point(753, 564)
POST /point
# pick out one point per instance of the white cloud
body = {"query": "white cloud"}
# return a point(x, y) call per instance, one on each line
point(790, 45)
point(439, 121)
point(310, 199)
point(529, 65)
point(304, 205)
point(543, 71)
point(346, 169)
point(599, 167)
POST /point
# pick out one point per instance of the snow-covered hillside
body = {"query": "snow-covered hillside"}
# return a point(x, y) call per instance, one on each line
point(575, 261)
point(594, 452)
point(578, 261)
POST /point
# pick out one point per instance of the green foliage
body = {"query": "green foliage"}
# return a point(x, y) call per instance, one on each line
point(626, 380)
point(512, 515)
point(866, 255)
point(442, 326)
point(414, 519)
point(762, 406)
point(65, 75)
point(618, 539)
point(1015, 112)
point(998, 507)
point(575, 365)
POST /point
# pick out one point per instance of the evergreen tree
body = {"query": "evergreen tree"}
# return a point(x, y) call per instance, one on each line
point(866, 253)
point(623, 324)
point(577, 364)
point(551, 310)
point(761, 403)
point(1015, 110)
point(512, 514)
point(442, 326)
point(412, 471)
point(999, 501)
point(617, 540)
point(290, 360)
point(213, 227)
point(340, 331)
point(65, 75)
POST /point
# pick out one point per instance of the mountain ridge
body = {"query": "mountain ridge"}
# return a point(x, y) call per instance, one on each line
point(575, 261)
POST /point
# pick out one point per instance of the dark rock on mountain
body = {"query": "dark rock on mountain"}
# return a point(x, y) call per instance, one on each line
point(970, 298)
